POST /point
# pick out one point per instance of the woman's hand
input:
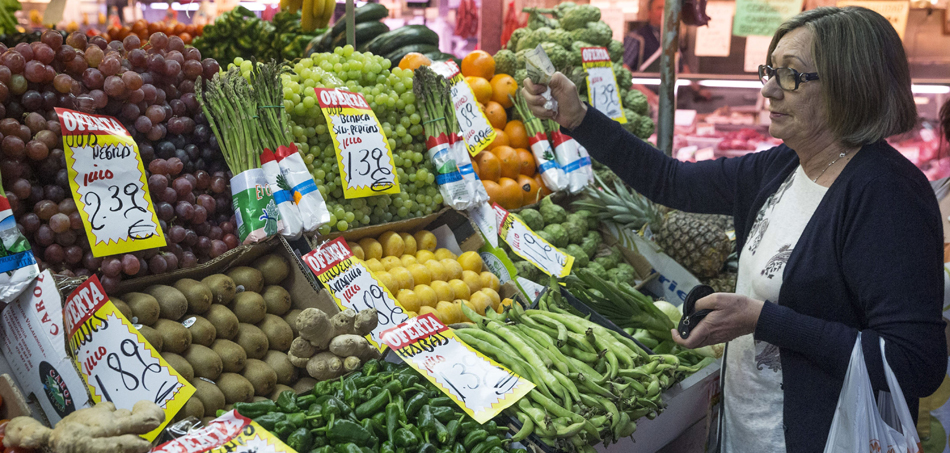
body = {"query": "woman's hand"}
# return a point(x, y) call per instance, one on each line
point(732, 316)
point(570, 109)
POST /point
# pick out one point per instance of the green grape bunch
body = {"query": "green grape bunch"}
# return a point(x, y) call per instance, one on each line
point(388, 90)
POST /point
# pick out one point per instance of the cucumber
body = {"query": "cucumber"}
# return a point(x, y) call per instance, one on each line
point(396, 56)
point(365, 33)
point(318, 44)
point(366, 13)
point(401, 37)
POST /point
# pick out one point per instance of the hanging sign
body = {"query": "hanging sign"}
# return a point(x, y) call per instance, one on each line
point(479, 385)
point(353, 285)
point(763, 17)
point(477, 132)
point(531, 247)
point(366, 162)
point(602, 92)
point(115, 360)
point(108, 183)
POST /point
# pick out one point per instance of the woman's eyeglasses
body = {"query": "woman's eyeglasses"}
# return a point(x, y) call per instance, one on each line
point(788, 78)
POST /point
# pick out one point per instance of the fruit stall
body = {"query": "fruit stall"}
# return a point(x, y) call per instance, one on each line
point(257, 233)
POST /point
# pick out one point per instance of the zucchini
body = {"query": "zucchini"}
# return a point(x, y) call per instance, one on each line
point(366, 13)
point(365, 33)
point(396, 56)
point(401, 37)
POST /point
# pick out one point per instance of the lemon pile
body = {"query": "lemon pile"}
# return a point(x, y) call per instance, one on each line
point(427, 279)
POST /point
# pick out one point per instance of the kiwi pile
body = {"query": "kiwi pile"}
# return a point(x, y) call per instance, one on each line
point(227, 334)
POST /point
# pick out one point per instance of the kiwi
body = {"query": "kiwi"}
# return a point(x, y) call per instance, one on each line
point(222, 288)
point(175, 337)
point(224, 322)
point(279, 334)
point(291, 319)
point(122, 307)
point(206, 362)
point(145, 308)
point(180, 364)
point(236, 388)
point(252, 340)
point(248, 277)
point(274, 268)
point(210, 395)
point(280, 363)
point(171, 301)
point(277, 300)
point(202, 332)
point(193, 408)
point(261, 376)
point(152, 337)
point(249, 307)
point(258, 399)
point(278, 389)
point(304, 384)
point(198, 295)
point(233, 357)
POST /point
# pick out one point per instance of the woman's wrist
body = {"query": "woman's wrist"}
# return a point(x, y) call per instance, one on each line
point(575, 120)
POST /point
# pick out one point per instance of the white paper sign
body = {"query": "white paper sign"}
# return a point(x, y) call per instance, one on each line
point(674, 281)
point(476, 130)
point(531, 247)
point(715, 39)
point(602, 92)
point(756, 52)
point(484, 217)
point(354, 286)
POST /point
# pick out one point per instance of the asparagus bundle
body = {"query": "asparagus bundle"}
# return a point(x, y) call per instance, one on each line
point(438, 114)
point(552, 174)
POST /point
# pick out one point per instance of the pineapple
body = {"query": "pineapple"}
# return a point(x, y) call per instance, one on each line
point(723, 283)
point(697, 244)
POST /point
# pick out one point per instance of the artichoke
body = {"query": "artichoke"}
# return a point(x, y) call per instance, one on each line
point(615, 49)
point(515, 37)
point(532, 219)
point(505, 62)
point(534, 38)
point(562, 8)
point(637, 101)
point(624, 77)
point(576, 230)
point(559, 236)
point(552, 213)
point(579, 16)
point(527, 270)
point(559, 57)
point(579, 254)
point(561, 38)
point(537, 20)
point(646, 127)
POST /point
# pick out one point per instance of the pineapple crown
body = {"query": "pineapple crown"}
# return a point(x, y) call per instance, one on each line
point(621, 205)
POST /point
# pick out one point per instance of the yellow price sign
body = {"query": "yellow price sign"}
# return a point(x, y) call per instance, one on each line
point(116, 361)
point(477, 132)
point(602, 92)
point(231, 432)
point(531, 247)
point(107, 179)
point(366, 162)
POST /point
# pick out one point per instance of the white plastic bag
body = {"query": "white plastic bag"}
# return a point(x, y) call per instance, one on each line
point(858, 425)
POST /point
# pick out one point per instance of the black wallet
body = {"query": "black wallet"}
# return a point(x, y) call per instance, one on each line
point(691, 317)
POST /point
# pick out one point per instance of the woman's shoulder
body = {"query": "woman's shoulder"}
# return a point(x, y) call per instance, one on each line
point(879, 164)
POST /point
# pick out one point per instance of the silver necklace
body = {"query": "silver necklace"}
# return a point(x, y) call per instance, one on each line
point(829, 166)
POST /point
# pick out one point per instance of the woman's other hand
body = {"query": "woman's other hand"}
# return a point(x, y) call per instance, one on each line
point(732, 316)
point(570, 109)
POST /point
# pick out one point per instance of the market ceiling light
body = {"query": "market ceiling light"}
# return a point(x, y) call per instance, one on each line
point(642, 81)
point(930, 89)
point(731, 84)
point(158, 5)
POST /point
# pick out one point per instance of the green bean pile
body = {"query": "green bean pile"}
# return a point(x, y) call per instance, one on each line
point(592, 383)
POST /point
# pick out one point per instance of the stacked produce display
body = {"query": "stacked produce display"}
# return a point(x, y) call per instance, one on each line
point(248, 335)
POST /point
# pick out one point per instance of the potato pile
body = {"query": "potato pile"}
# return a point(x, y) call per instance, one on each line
point(227, 334)
point(331, 347)
point(428, 279)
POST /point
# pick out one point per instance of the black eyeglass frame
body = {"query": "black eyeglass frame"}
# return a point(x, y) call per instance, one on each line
point(799, 77)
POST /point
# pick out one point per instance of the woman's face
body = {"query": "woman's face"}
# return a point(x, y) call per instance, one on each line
point(797, 116)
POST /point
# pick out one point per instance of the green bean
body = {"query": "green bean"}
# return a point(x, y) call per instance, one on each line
point(512, 361)
point(561, 329)
point(585, 369)
point(597, 389)
point(492, 339)
point(532, 358)
point(527, 427)
point(569, 431)
point(556, 409)
point(630, 344)
point(571, 388)
point(560, 362)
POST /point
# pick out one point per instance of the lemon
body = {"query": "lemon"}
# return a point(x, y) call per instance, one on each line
point(471, 261)
point(450, 312)
point(425, 240)
point(436, 270)
point(356, 249)
point(372, 249)
point(402, 277)
point(408, 260)
point(480, 301)
point(495, 298)
point(374, 265)
point(424, 255)
point(460, 289)
point(387, 280)
point(427, 295)
point(443, 291)
point(453, 269)
point(424, 310)
point(420, 274)
point(444, 253)
point(392, 244)
point(489, 280)
point(410, 243)
point(409, 300)
point(390, 262)
point(473, 281)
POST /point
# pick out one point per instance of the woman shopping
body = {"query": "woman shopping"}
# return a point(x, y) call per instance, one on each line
point(838, 234)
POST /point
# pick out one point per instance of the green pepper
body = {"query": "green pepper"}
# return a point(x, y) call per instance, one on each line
point(394, 387)
point(269, 421)
point(380, 420)
point(364, 381)
point(332, 409)
point(321, 388)
point(349, 392)
point(405, 438)
point(388, 366)
point(443, 414)
point(470, 425)
point(489, 443)
point(287, 401)
point(374, 405)
point(474, 438)
point(344, 431)
point(304, 402)
point(371, 366)
point(348, 448)
point(283, 430)
point(441, 432)
point(426, 421)
point(459, 448)
point(496, 450)
point(415, 403)
point(452, 428)
point(319, 440)
point(323, 449)
point(442, 401)
point(393, 414)
point(387, 447)
point(254, 410)
point(415, 430)
point(427, 448)
point(300, 440)
point(297, 419)
point(445, 450)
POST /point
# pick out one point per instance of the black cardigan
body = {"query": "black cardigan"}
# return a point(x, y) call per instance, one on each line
point(870, 259)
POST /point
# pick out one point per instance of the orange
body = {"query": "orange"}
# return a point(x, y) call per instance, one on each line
point(475, 169)
point(489, 165)
point(478, 64)
point(510, 162)
point(529, 189)
point(503, 85)
point(528, 164)
point(480, 88)
point(544, 189)
point(501, 139)
point(492, 189)
point(413, 60)
point(517, 134)
point(496, 114)
point(509, 193)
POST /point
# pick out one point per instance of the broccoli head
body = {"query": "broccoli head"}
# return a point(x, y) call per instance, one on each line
point(532, 218)
point(552, 213)
point(558, 234)
point(580, 256)
point(646, 127)
point(515, 37)
point(637, 101)
point(560, 57)
point(615, 49)
point(579, 16)
point(505, 62)
point(532, 39)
